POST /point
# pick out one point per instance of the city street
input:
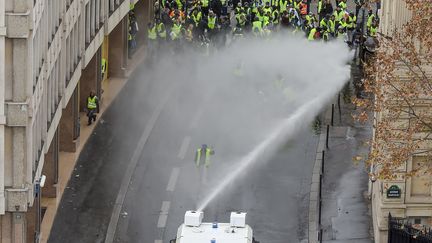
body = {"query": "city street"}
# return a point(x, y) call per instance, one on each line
point(165, 182)
point(214, 121)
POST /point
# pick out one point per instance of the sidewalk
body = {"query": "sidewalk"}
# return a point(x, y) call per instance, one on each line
point(67, 161)
point(346, 216)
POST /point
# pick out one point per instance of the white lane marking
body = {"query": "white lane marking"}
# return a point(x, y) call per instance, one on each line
point(129, 171)
point(158, 241)
point(162, 220)
point(165, 207)
point(163, 216)
point(184, 147)
point(173, 179)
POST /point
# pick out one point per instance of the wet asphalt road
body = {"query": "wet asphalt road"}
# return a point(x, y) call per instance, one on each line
point(274, 194)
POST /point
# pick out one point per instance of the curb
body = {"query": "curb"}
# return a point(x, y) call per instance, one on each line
point(314, 195)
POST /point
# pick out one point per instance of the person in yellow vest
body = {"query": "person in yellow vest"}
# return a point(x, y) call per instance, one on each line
point(266, 19)
point(211, 24)
point(257, 27)
point(104, 66)
point(131, 42)
point(283, 5)
point(176, 30)
point(372, 30)
point(324, 23)
point(161, 31)
point(189, 34)
point(202, 155)
point(275, 19)
point(152, 32)
point(320, 10)
point(370, 18)
point(313, 34)
point(343, 5)
point(152, 39)
point(196, 17)
point(238, 71)
point(310, 20)
point(351, 22)
point(332, 25)
point(92, 107)
point(325, 35)
point(339, 14)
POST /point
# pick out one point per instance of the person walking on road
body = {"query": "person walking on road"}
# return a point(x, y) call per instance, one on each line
point(202, 156)
point(92, 107)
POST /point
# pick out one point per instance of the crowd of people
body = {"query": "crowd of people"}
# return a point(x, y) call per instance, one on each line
point(192, 22)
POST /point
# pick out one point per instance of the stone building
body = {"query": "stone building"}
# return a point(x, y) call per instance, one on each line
point(409, 198)
point(50, 58)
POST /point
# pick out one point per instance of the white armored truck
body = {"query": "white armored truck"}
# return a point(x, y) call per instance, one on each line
point(193, 230)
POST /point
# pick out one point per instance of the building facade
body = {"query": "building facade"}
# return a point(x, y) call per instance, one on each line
point(51, 56)
point(405, 197)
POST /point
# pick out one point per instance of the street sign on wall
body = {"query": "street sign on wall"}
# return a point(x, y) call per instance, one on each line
point(394, 192)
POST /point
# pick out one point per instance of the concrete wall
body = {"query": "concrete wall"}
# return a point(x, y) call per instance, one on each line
point(394, 14)
point(45, 47)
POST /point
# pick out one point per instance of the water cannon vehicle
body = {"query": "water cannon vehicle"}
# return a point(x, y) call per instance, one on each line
point(193, 230)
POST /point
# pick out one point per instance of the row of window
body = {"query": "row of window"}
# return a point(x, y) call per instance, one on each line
point(44, 33)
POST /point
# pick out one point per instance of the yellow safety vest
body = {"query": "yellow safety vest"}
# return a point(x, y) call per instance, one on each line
point(342, 5)
point(207, 156)
point(91, 102)
point(152, 35)
point(372, 31)
point(176, 30)
point(257, 27)
point(319, 6)
point(267, 10)
point(282, 5)
point(211, 22)
point(275, 20)
point(179, 4)
point(323, 24)
point(370, 20)
point(103, 66)
point(332, 26)
point(352, 22)
point(161, 30)
point(266, 20)
point(339, 16)
point(205, 3)
point(197, 18)
point(311, 36)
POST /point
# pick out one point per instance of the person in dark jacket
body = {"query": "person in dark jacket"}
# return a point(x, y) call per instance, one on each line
point(327, 8)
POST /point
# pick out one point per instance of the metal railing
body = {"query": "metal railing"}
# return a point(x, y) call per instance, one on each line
point(401, 231)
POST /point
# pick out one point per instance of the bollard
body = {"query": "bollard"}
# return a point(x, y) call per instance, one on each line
point(322, 162)
point(321, 236)
point(319, 212)
point(320, 188)
point(332, 115)
point(339, 109)
point(327, 136)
